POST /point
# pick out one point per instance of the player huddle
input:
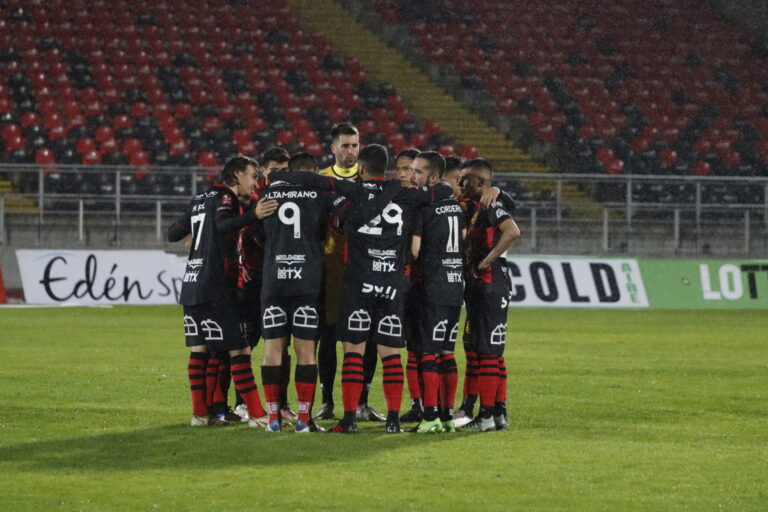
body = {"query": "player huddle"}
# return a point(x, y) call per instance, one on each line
point(280, 251)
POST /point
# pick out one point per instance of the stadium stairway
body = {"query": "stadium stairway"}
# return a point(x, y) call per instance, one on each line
point(426, 98)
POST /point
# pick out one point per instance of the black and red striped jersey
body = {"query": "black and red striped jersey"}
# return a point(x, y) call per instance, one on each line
point(440, 262)
point(483, 234)
point(214, 220)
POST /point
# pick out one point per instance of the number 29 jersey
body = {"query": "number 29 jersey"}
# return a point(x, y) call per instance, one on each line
point(293, 240)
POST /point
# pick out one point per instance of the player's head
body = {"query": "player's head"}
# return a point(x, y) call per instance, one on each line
point(345, 144)
point(302, 162)
point(452, 174)
point(373, 161)
point(477, 176)
point(428, 168)
point(274, 159)
point(241, 174)
point(403, 168)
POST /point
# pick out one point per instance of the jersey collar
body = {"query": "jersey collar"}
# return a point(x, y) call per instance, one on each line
point(344, 173)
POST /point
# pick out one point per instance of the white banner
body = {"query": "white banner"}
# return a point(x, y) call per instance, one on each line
point(100, 277)
point(576, 282)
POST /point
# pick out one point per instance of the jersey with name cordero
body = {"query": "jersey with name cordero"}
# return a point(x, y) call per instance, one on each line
point(213, 218)
point(482, 235)
point(440, 258)
point(293, 239)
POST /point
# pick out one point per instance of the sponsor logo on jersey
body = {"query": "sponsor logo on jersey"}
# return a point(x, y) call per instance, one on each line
point(383, 266)
point(386, 254)
point(289, 273)
point(190, 277)
point(212, 330)
point(455, 276)
point(290, 259)
point(195, 263)
point(452, 262)
point(387, 292)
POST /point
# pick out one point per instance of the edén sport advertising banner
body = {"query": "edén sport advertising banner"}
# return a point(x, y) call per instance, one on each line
point(100, 277)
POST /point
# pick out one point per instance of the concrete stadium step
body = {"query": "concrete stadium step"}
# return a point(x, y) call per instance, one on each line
point(13, 202)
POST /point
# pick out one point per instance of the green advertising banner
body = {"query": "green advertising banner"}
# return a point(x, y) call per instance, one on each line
point(706, 284)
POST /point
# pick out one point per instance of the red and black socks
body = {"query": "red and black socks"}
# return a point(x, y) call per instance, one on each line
point(393, 381)
point(431, 386)
point(196, 372)
point(306, 381)
point(471, 388)
point(501, 391)
point(488, 383)
point(245, 384)
point(211, 381)
point(351, 383)
point(412, 374)
point(449, 380)
point(285, 378)
point(271, 381)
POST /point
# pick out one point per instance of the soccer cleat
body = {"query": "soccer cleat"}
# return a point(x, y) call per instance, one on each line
point(242, 411)
point(341, 428)
point(305, 428)
point(230, 417)
point(501, 422)
point(217, 420)
point(412, 416)
point(393, 424)
point(461, 418)
point(449, 426)
point(480, 424)
point(273, 426)
point(367, 413)
point(325, 412)
point(287, 414)
point(430, 427)
point(258, 422)
point(199, 421)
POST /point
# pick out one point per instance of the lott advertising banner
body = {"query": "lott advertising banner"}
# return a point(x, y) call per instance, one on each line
point(706, 284)
point(100, 277)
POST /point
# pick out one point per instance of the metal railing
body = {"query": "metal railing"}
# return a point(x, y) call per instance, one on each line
point(622, 210)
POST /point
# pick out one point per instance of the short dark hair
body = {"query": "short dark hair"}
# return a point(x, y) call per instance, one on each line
point(452, 163)
point(480, 164)
point(436, 161)
point(302, 161)
point(275, 154)
point(375, 159)
point(409, 153)
point(343, 129)
point(234, 165)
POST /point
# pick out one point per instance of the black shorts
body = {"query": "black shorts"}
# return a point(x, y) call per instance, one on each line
point(412, 313)
point(292, 315)
point(215, 325)
point(486, 319)
point(439, 327)
point(367, 318)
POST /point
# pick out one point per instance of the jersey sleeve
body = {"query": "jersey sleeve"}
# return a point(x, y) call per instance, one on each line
point(181, 228)
point(507, 202)
point(497, 214)
point(427, 195)
point(228, 216)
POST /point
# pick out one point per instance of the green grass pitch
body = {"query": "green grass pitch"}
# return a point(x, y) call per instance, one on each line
point(609, 410)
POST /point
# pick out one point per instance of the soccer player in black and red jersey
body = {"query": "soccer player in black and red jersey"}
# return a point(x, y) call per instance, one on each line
point(491, 232)
point(374, 281)
point(209, 289)
point(439, 232)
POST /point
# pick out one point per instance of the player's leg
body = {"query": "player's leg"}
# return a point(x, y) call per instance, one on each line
point(285, 381)
point(413, 319)
point(326, 355)
point(271, 379)
point(490, 339)
point(251, 331)
point(471, 390)
point(392, 382)
point(448, 372)
point(435, 331)
point(364, 410)
point(500, 409)
point(305, 327)
point(198, 359)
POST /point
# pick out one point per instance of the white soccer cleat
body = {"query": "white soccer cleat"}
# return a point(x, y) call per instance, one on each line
point(242, 411)
point(461, 421)
point(199, 421)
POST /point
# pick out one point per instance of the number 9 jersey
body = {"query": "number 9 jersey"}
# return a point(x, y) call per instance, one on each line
point(293, 240)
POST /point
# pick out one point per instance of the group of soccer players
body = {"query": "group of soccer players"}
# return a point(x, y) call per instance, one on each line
point(280, 251)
